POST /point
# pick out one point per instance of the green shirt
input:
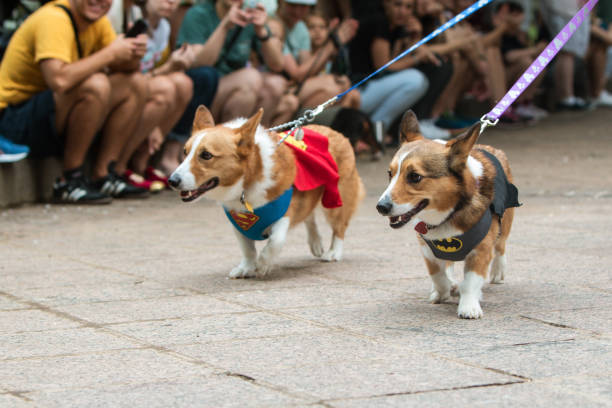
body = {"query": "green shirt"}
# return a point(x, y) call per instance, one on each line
point(297, 40)
point(198, 25)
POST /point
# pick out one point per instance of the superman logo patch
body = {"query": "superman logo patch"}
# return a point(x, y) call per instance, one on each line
point(244, 220)
point(448, 245)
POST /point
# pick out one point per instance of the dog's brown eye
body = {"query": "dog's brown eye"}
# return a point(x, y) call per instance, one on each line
point(185, 151)
point(389, 173)
point(205, 155)
point(414, 178)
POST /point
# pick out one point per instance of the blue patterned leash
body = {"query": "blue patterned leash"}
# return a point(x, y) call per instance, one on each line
point(536, 68)
point(311, 114)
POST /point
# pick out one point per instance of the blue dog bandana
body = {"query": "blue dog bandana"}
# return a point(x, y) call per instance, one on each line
point(255, 226)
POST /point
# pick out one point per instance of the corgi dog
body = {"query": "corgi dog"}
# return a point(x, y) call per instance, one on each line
point(454, 195)
point(243, 166)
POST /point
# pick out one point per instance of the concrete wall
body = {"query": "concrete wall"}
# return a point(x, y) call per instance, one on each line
point(28, 181)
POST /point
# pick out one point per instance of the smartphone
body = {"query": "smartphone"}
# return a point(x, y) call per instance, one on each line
point(140, 26)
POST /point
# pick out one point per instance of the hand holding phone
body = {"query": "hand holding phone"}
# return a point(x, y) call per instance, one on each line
point(140, 26)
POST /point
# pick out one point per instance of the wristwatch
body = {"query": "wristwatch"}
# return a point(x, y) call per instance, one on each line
point(265, 37)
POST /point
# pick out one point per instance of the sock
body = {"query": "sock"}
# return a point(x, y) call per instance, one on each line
point(73, 173)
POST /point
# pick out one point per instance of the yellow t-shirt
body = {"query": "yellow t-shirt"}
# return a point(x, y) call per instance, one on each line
point(46, 34)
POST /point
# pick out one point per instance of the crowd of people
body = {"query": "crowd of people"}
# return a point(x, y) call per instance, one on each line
point(119, 82)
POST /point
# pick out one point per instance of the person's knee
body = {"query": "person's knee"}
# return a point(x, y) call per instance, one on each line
point(162, 90)
point(184, 86)
point(138, 85)
point(97, 87)
point(251, 79)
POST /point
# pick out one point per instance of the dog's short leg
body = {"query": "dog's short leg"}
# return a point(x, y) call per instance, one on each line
point(498, 268)
point(314, 239)
point(440, 273)
point(335, 250)
point(246, 268)
point(278, 235)
point(470, 291)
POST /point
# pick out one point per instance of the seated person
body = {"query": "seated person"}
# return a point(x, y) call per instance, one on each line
point(56, 95)
point(392, 92)
point(597, 57)
point(170, 90)
point(302, 65)
point(222, 34)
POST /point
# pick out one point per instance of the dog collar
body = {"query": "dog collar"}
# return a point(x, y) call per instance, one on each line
point(255, 224)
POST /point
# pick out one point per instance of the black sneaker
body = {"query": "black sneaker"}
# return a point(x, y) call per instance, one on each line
point(116, 187)
point(76, 190)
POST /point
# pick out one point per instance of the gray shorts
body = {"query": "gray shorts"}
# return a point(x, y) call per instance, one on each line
point(557, 17)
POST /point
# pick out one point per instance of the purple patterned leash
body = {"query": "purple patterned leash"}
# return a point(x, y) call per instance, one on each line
point(491, 118)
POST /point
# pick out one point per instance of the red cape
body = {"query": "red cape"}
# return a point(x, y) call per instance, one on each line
point(316, 167)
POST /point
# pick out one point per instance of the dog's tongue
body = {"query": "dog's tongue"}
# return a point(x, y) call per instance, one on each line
point(421, 228)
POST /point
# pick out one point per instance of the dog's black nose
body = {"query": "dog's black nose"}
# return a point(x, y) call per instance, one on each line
point(174, 180)
point(384, 208)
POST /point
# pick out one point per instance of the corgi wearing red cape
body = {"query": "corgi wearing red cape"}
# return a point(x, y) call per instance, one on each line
point(267, 187)
point(459, 198)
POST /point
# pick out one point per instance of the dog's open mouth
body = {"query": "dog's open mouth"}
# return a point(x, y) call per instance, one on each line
point(401, 220)
point(190, 195)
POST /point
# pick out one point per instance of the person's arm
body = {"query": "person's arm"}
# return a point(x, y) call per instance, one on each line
point(530, 52)
point(271, 47)
point(309, 63)
point(61, 76)
point(208, 52)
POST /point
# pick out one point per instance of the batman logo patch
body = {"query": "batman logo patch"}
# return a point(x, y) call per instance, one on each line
point(244, 220)
point(448, 245)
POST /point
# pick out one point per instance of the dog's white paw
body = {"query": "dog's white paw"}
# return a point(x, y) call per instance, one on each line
point(469, 308)
point(435, 297)
point(332, 255)
point(335, 252)
point(316, 246)
point(242, 271)
point(263, 266)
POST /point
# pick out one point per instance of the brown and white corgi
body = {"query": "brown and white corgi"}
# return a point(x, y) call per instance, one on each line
point(241, 165)
point(454, 195)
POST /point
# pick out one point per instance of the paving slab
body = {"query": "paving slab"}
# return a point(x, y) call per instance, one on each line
point(130, 304)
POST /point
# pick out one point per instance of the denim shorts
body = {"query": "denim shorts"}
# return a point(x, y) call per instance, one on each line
point(32, 123)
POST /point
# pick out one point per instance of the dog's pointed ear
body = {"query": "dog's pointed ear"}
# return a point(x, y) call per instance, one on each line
point(246, 133)
point(409, 128)
point(203, 119)
point(461, 146)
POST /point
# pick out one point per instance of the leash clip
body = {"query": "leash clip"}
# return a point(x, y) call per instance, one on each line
point(485, 122)
point(244, 202)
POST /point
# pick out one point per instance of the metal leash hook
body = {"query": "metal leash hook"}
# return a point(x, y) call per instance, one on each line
point(485, 122)
point(296, 125)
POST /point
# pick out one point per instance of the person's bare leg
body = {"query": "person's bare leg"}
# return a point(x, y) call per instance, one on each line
point(237, 95)
point(564, 75)
point(317, 90)
point(271, 97)
point(497, 74)
point(286, 109)
point(597, 60)
point(161, 96)
point(79, 115)
point(171, 150)
point(462, 77)
point(128, 96)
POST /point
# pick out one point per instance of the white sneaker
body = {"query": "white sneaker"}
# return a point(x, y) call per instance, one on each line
point(531, 110)
point(431, 131)
point(604, 99)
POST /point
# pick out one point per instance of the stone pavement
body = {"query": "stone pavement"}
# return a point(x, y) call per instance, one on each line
point(129, 304)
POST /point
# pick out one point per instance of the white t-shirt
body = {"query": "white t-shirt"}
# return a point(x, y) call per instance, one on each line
point(157, 44)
